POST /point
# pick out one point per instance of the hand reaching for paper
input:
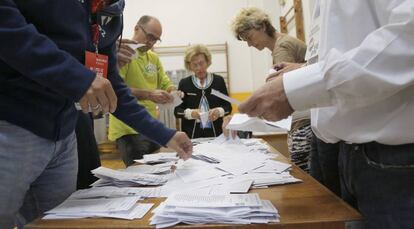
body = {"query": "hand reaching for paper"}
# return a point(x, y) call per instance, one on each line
point(269, 102)
point(181, 144)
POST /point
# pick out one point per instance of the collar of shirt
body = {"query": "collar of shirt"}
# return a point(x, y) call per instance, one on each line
point(207, 82)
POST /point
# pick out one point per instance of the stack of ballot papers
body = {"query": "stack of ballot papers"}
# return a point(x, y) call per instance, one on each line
point(159, 158)
point(119, 178)
point(162, 168)
point(111, 192)
point(192, 208)
point(118, 207)
point(243, 122)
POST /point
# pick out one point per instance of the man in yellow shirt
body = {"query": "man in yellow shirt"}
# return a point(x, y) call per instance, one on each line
point(143, 73)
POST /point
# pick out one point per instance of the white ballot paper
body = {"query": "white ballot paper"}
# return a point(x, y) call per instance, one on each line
point(204, 118)
point(176, 101)
point(95, 205)
point(225, 97)
point(231, 200)
point(134, 47)
point(243, 122)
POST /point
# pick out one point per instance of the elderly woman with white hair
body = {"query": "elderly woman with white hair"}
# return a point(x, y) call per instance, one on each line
point(201, 112)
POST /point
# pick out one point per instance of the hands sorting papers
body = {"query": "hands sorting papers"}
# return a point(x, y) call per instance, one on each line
point(200, 190)
point(243, 122)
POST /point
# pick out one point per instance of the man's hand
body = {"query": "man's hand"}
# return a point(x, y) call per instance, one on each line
point(269, 102)
point(213, 114)
point(182, 144)
point(283, 68)
point(125, 53)
point(227, 132)
point(100, 96)
point(160, 96)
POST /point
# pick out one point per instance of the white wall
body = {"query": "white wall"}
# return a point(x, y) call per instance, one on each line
point(208, 22)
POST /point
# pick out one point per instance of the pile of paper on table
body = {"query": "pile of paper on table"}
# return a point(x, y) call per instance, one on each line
point(117, 207)
point(112, 192)
point(110, 177)
point(202, 209)
point(158, 158)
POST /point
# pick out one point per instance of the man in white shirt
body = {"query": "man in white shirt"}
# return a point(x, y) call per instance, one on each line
point(362, 95)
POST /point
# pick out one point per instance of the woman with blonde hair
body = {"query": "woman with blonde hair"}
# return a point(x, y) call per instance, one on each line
point(253, 26)
point(201, 112)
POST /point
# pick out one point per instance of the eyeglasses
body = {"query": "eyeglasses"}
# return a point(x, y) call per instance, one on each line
point(149, 36)
point(196, 64)
point(247, 36)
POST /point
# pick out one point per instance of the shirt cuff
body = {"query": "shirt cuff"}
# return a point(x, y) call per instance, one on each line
point(305, 88)
point(221, 111)
point(187, 114)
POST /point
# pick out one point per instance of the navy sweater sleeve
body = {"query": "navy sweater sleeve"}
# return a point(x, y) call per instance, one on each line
point(37, 57)
point(130, 112)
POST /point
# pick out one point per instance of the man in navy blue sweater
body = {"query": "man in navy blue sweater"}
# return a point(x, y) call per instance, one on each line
point(42, 75)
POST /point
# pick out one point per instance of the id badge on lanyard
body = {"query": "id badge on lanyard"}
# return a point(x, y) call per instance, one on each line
point(97, 62)
point(93, 60)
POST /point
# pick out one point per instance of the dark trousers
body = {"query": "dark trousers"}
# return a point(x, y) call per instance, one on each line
point(324, 164)
point(88, 154)
point(134, 146)
point(379, 181)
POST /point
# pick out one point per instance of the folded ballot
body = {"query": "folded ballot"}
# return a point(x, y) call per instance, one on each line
point(243, 122)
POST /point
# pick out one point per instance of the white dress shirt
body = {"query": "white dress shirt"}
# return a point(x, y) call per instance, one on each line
point(362, 88)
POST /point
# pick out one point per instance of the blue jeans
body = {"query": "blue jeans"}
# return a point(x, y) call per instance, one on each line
point(324, 164)
point(36, 174)
point(379, 181)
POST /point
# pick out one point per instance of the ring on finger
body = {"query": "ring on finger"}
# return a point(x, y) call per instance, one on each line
point(96, 107)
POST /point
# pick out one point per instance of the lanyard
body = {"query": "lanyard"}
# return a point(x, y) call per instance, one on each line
point(96, 5)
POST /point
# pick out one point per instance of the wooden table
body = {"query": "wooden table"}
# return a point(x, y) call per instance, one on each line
point(276, 140)
point(302, 205)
